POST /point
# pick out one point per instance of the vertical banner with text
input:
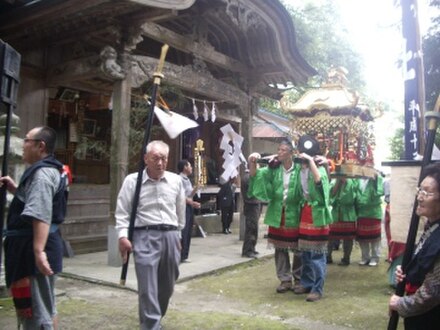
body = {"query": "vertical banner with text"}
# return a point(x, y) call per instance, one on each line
point(413, 75)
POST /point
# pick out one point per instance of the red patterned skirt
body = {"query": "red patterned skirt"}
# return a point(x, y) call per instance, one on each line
point(312, 238)
point(283, 237)
point(343, 230)
point(368, 230)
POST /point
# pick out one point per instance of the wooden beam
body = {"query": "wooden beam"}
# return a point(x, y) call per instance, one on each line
point(143, 67)
point(24, 17)
point(188, 80)
point(76, 70)
point(187, 45)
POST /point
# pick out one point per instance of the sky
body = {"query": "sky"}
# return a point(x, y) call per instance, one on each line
point(374, 31)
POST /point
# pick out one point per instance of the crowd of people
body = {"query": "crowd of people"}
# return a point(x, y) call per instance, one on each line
point(307, 212)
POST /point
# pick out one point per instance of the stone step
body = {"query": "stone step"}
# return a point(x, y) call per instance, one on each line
point(84, 191)
point(91, 207)
point(85, 226)
point(88, 243)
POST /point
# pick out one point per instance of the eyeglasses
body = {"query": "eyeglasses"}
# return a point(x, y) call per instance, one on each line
point(423, 193)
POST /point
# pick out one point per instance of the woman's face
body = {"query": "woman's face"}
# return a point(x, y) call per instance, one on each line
point(428, 199)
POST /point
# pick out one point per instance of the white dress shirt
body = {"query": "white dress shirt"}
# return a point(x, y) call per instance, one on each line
point(160, 202)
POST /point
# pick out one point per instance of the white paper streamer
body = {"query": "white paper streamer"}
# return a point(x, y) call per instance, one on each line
point(205, 111)
point(173, 123)
point(231, 144)
point(213, 112)
point(195, 110)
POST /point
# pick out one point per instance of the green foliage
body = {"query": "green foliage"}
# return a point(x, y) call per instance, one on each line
point(397, 145)
point(324, 42)
point(431, 45)
point(270, 105)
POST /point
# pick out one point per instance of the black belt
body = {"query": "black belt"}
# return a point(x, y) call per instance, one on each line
point(157, 227)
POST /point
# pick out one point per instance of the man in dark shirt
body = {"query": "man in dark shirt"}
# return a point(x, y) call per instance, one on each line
point(252, 212)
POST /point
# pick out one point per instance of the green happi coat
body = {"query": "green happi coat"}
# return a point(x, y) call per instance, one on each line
point(319, 197)
point(369, 201)
point(267, 185)
point(343, 202)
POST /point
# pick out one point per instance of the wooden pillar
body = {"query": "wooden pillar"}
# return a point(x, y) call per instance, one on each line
point(118, 156)
point(246, 148)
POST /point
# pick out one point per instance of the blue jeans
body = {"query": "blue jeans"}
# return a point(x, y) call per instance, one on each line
point(314, 269)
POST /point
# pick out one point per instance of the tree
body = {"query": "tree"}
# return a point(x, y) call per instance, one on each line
point(324, 43)
point(430, 46)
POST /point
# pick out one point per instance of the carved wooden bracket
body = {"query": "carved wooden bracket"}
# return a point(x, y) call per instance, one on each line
point(187, 79)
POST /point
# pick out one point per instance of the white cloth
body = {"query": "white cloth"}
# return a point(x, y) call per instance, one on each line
point(173, 123)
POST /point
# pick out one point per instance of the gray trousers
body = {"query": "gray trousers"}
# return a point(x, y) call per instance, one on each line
point(157, 257)
point(285, 269)
point(43, 304)
point(374, 247)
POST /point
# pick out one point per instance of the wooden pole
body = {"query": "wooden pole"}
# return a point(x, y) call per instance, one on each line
point(432, 118)
point(156, 83)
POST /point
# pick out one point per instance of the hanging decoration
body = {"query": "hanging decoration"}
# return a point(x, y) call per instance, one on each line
point(213, 111)
point(195, 110)
point(205, 111)
point(231, 144)
point(173, 123)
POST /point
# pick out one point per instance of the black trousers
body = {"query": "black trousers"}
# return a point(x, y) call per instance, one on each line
point(252, 214)
point(187, 232)
point(227, 214)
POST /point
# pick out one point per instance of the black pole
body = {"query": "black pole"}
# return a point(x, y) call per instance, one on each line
point(9, 79)
point(432, 118)
point(149, 123)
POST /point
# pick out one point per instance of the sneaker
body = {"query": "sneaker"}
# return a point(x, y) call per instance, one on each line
point(284, 287)
point(372, 263)
point(301, 290)
point(364, 262)
point(313, 296)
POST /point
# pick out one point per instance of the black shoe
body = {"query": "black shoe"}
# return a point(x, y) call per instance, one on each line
point(344, 262)
point(329, 260)
point(225, 231)
point(249, 255)
point(229, 231)
point(256, 252)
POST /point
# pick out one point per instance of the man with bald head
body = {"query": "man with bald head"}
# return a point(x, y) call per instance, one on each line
point(33, 244)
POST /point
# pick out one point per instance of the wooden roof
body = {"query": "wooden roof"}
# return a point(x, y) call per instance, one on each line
point(248, 44)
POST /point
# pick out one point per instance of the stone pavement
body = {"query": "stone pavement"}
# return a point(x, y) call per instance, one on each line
point(207, 255)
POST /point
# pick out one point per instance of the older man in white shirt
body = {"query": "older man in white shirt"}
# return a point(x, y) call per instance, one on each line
point(156, 239)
